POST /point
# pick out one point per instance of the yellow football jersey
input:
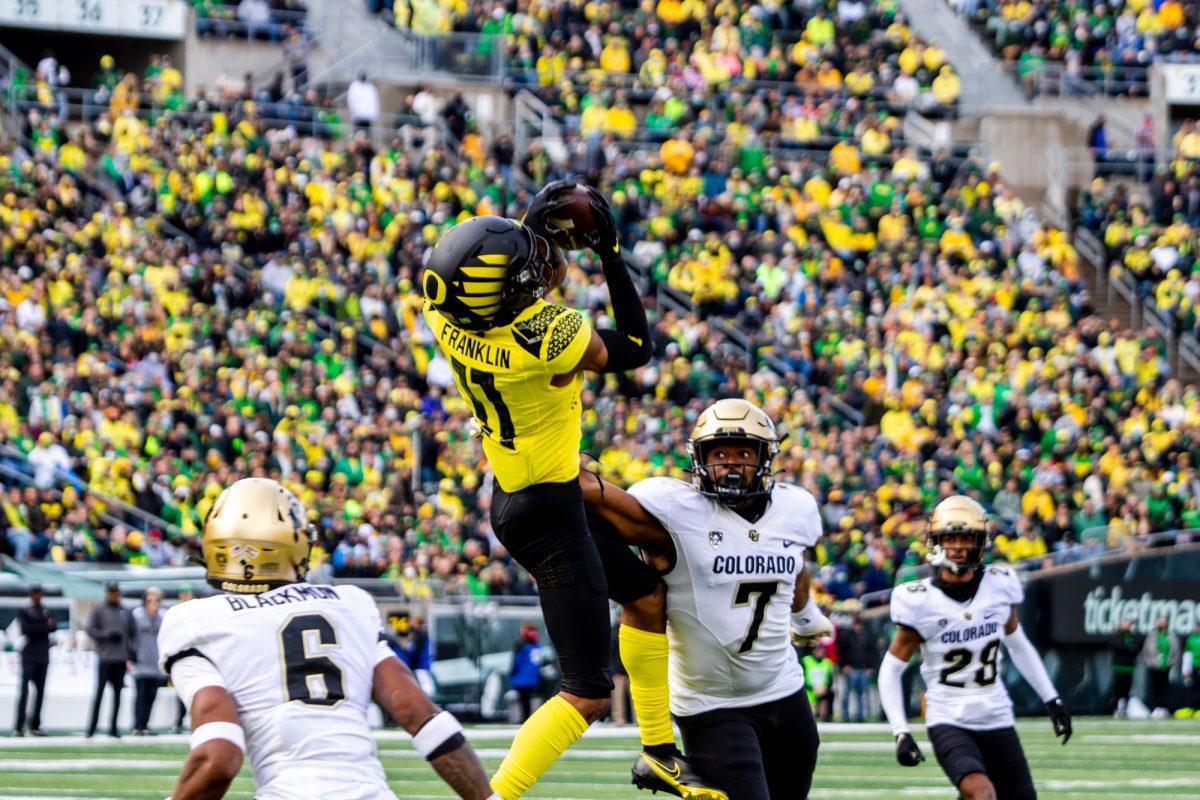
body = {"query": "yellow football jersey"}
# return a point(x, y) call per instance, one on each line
point(531, 428)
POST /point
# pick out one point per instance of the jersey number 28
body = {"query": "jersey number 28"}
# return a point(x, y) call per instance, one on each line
point(959, 659)
point(309, 675)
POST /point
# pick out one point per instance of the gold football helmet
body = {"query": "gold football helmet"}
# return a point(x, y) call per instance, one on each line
point(256, 538)
point(957, 515)
point(733, 420)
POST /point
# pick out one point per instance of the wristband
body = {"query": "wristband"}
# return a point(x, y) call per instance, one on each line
point(439, 734)
point(229, 731)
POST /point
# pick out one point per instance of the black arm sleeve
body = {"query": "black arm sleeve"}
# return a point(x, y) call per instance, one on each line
point(629, 345)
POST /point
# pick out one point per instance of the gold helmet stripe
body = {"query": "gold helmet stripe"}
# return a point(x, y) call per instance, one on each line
point(494, 258)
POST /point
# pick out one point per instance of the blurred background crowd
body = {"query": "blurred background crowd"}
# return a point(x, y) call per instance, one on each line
point(208, 285)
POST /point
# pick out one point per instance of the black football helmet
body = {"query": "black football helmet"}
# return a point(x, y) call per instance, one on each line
point(487, 270)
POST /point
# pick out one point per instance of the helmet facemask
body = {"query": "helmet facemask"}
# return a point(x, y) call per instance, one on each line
point(940, 558)
point(727, 481)
point(530, 281)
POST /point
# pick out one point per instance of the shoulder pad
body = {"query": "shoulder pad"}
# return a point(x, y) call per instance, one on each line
point(530, 333)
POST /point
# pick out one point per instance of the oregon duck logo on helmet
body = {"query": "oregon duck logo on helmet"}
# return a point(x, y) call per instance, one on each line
point(487, 270)
point(957, 516)
point(731, 421)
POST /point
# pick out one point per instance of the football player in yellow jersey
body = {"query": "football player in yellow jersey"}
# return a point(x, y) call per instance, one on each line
point(519, 361)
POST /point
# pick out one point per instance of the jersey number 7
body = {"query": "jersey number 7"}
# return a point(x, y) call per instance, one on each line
point(741, 596)
point(486, 381)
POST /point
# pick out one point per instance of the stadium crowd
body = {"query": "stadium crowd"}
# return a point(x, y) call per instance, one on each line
point(612, 60)
point(1112, 44)
point(203, 294)
point(1150, 234)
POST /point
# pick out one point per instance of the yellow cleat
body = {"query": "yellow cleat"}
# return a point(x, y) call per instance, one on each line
point(673, 775)
point(1184, 713)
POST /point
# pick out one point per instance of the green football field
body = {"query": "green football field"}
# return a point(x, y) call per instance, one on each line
point(1105, 759)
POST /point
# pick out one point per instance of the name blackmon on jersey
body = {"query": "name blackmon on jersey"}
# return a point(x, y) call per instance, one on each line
point(730, 637)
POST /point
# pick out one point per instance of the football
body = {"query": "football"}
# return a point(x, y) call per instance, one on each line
point(571, 225)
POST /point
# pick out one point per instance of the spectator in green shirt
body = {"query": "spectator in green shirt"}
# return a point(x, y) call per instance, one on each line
point(1160, 654)
point(818, 674)
point(1191, 661)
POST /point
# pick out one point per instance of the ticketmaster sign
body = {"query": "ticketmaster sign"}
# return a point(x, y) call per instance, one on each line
point(1085, 606)
point(1105, 607)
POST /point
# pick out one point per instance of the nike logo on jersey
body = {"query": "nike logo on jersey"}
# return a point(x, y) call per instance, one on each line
point(788, 543)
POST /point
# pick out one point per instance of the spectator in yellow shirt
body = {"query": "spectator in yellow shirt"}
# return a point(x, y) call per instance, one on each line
point(947, 86)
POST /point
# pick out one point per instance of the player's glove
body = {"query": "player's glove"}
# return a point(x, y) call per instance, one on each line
point(809, 625)
point(604, 241)
point(907, 751)
point(543, 211)
point(1059, 718)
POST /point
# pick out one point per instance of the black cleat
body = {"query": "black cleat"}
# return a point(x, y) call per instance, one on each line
point(673, 775)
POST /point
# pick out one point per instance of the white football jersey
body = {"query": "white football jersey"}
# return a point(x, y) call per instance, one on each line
point(729, 594)
point(299, 662)
point(960, 648)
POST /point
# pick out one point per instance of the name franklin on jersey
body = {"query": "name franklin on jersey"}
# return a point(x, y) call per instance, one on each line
point(281, 597)
point(477, 349)
point(755, 565)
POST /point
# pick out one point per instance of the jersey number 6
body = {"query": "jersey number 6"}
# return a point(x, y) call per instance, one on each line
point(741, 596)
point(305, 668)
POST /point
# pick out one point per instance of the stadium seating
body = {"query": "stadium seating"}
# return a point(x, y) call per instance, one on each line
point(1153, 241)
point(1106, 46)
point(209, 291)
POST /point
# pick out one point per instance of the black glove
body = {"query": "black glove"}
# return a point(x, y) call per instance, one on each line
point(604, 241)
point(545, 203)
point(1059, 718)
point(907, 751)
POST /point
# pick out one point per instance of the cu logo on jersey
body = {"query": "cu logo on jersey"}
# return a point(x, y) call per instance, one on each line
point(715, 538)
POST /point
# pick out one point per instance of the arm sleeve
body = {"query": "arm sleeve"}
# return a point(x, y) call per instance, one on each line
point(891, 693)
point(382, 651)
point(900, 608)
point(657, 496)
point(566, 342)
point(1025, 656)
point(192, 673)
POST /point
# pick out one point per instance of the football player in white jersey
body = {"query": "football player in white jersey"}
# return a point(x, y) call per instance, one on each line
point(958, 618)
point(285, 670)
point(730, 546)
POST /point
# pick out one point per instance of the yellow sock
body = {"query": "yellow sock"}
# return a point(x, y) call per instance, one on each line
point(645, 657)
point(550, 730)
